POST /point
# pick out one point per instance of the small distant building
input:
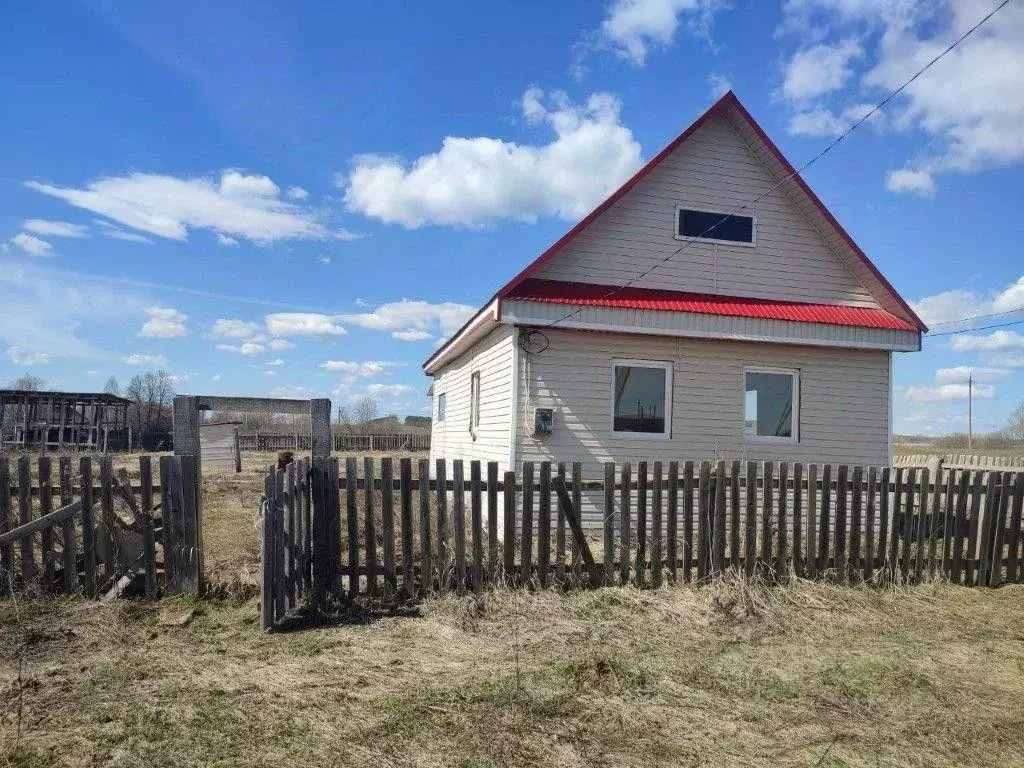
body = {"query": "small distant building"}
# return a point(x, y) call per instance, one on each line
point(57, 421)
point(218, 445)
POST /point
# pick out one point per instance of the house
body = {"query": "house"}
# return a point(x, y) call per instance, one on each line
point(710, 308)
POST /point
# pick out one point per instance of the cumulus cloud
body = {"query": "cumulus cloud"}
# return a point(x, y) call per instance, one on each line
point(248, 348)
point(962, 373)
point(473, 181)
point(910, 181)
point(820, 69)
point(139, 358)
point(228, 328)
point(297, 193)
point(32, 245)
point(997, 341)
point(276, 362)
point(226, 241)
point(366, 369)
point(279, 345)
point(946, 392)
point(719, 84)
point(234, 205)
point(303, 324)
point(411, 335)
point(412, 317)
point(959, 303)
point(164, 323)
point(21, 356)
point(632, 27)
point(55, 228)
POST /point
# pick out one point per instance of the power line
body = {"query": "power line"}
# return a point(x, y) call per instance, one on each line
point(799, 170)
point(980, 328)
point(981, 317)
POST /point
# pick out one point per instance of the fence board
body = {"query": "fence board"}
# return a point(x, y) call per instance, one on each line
point(509, 541)
point(526, 546)
point(896, 526)
point(426, 555)
point(640, 567)
point(920, 527)
point(44, 469)
point(287, 530)
point(703, 521)
point(492, 521)
point(148, 534)
point(998, 539)
point(656, 526)
point(477, 523)
point(68, 534)
point(824, 520)
point(544, 524)
point(441, 542)
point(560, 531)
point(625, 533)
point(672, 522)
point(719, 518)
point(970, 564)
point(906, 523)
point(352, 525)
point(948, 523)
point(934, 523)
point(959, 527)
point(26, 545)
point(839, 546)
point(1013, 575)
point(750, 539)
point(577, 504)
point(687, 552)
point(459, 525)
point(767, 512)
point(6, 517)
point(782, 554)
point(853, 562)
point(812, 520)
point(798, 518)
point(735, 505)
point(608, 522)
point(267, 555)
point(869, 526)
point(987, 533)
point(405, 505)
point(387, 519)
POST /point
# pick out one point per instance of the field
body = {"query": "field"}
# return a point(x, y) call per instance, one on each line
point(808, 674)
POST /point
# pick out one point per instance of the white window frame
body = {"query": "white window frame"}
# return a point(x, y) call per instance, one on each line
point(691, 239)
point(474, 402)
point(442, 407)
point(665, 365)
point(794, 418)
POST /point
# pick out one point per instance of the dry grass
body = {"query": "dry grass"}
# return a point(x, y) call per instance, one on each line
point(808, 674)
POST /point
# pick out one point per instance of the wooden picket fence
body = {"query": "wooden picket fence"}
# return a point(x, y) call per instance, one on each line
point(342, 442)
point(687, 521)
point(84, 546)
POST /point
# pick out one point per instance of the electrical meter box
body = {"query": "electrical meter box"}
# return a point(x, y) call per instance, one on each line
point(543, 421)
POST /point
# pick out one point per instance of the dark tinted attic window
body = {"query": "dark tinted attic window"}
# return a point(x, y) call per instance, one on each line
point(715, 226)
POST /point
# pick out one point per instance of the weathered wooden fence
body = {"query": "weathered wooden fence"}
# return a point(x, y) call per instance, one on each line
point(85, 546)
point(342, 442)
point(343, 529)
point(962, 461)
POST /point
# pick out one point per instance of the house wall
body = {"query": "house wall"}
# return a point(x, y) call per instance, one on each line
point(713, 170)
point(451, 439)
point(217, 446)
point(844, 401)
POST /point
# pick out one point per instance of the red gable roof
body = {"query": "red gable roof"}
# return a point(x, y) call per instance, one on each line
point(726, 101)
point(587, 294)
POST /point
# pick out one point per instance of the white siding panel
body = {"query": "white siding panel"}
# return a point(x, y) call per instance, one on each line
point(451, 438)
point(714, 170)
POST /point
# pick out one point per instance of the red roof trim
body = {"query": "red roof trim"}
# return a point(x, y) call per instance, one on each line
point(587, 294)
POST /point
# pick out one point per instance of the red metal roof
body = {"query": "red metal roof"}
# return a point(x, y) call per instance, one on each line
point(587, 294)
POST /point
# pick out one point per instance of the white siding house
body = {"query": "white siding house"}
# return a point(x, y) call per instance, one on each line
point(710, 308)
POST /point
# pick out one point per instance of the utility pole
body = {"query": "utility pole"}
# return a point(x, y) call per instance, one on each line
point(970, 410)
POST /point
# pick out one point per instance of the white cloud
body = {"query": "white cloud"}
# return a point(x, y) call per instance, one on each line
point(411, 335)
point(303, 324)
point(408, 315)
point(960, 303)
point(473, 181)
point(32, 245)
point(820, 69)
point(55, 228)
point(109, 230)
point(21, 356)
point(142, 359)
point(248, 348)
point(293, 391)
point(227, 328)
point(367, 369)
point(719, 84)
point(961, 373)
point(164, 323)
point(943, 392)
point(225, 240)
point(276, 362)
point(297, 193)
point(323, 259)
point(632, 27)
point(279, 345)
point(910, 181)
point(997, 341)
point(817, 122)
point(215, 377)
point(270, 373)
point(235, 205)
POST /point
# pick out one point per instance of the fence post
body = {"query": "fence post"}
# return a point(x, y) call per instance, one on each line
point(185, 410)
point(322, 543)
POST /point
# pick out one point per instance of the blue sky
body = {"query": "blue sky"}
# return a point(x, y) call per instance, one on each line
point(303, 198)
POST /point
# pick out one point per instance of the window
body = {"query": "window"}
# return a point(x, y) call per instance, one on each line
point(715, 227)
point(641, 398)
point(771, 405)
point(442, 402)
point(474, 402)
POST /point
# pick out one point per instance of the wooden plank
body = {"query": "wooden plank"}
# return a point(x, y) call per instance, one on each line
point(369, 525)
point(960, 527)
point(672, 522)
point(29, 571)
point(387, 519)
point(750, 534)
point(509, 519)
point(320, 494)
point(280, 548)
point(297, 534)
point(920, 527)
point(426, 556)
point(68, 533)
point(334, 515)
point(405, 505)
point(625, 524)
point(998, 538)
point(812, 521)
point(352, 525)
point(287, 533)
point(948, 521)
point(987, 532)
point(560, 532)
point(173, 529)
point(656, 527)
point(907, 522)
point(735, 506)
point(459, 524)
point(870, 516)
point(718, 524)
point(577, 503)
point(824, 519)
point(544, 524)
point(884, 517)
point(266, 549)
point(934, 523)
point(166, 521)
point(148, 534)
point(782, 551)
point(477, 526)
point(576, 526)
point(88, 529)
point(974, 519)
point(688, 550)
point(1013, 574)
point(492, 521)
point(526, 534)
point(703, 522)
point(798, 518)
point(37, 524)
point(640, 563)
point(765, 561)
point(44, 467)
point(608, 522)
point(6, 515)
point(854, 566)
point(840, 532)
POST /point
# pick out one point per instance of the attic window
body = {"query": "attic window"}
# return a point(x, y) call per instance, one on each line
point(714, 227)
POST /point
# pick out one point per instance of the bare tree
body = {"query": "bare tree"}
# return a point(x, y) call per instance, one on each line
point(358, 415)
point(27, 382)
point(1014, 428)
point(112, 387)
point(151, 395)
